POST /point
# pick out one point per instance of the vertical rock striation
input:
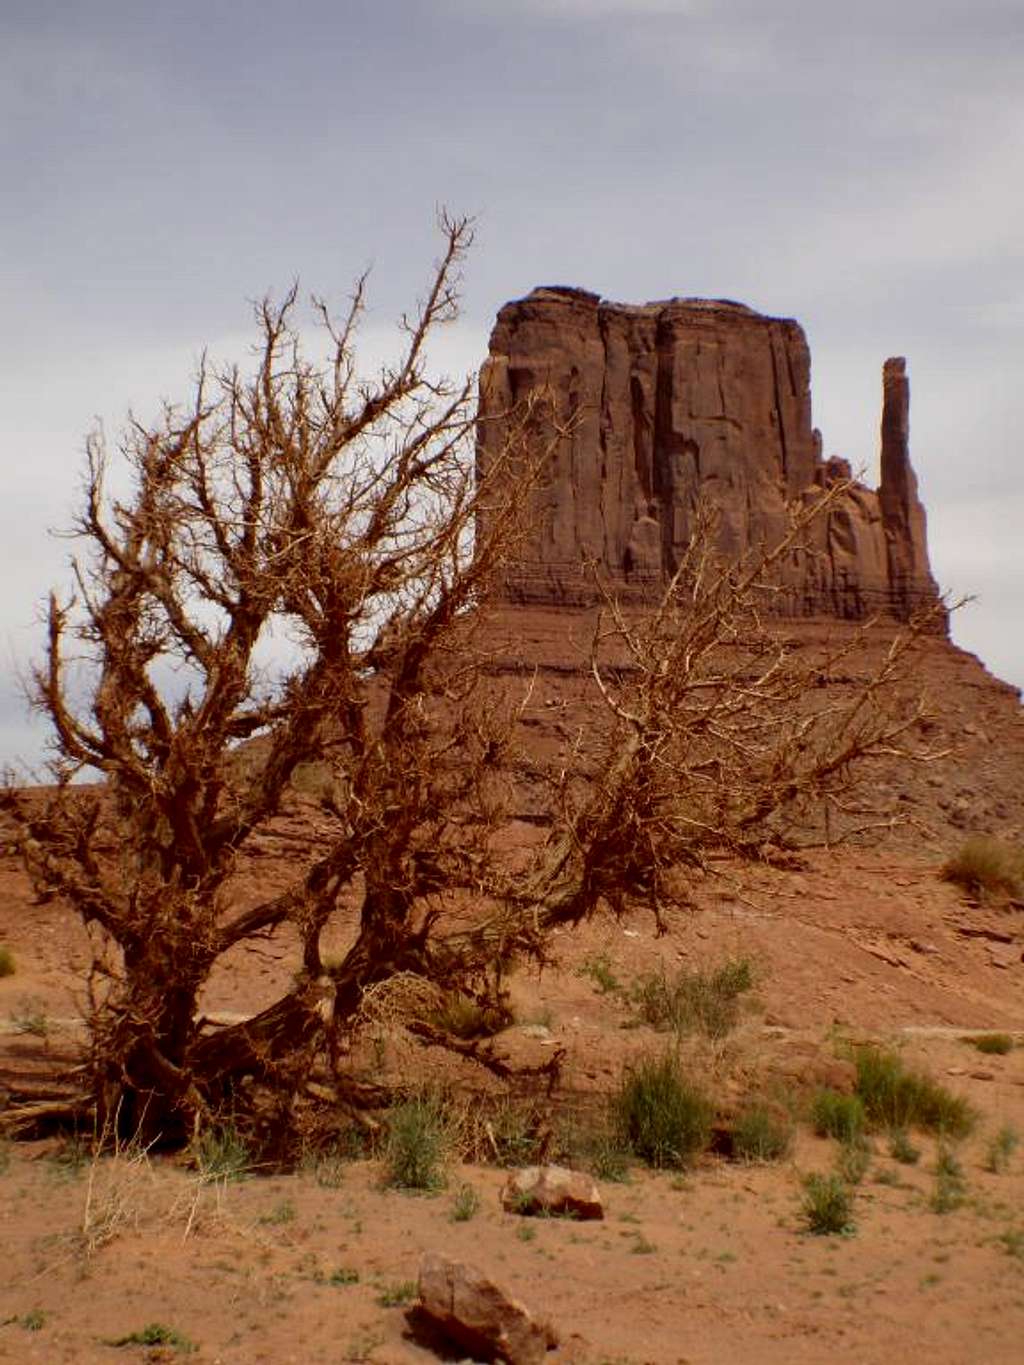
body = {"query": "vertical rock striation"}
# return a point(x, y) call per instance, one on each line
point(903, 513)
point(665, 403)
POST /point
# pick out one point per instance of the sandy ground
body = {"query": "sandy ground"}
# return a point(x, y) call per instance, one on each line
point(711, 1266)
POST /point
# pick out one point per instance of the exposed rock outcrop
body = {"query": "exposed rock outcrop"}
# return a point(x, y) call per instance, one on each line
point(667, 402)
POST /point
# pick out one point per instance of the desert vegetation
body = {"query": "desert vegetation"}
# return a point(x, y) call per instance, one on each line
point(349, 514)
point(987, 867)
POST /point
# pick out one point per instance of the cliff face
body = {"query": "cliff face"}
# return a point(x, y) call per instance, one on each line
point(665, 402)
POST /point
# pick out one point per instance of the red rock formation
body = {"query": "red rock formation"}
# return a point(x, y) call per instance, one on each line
point(665, 402)
point(902, 511)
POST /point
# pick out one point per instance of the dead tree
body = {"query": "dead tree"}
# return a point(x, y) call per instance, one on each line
point(302, 499)
point(723, 743)
point(299, 498)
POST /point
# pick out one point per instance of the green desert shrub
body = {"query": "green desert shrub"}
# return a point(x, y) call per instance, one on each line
point(221, 1153)
point(464, 1017)
point(950, 1185)
point(993, 1044)
point(417, 1144)
point(762, 1132)
point(1001, 1148)
point(593, 1141)
point(465, 1205)
point(397, 1294)
point(838, 1116)
point(828, 1206)
point(896, 1097)
point(854, 1159)
point(7, 964)
point(30, 1017)
point(664, 1118)
point(599, 968)
point(984, 866)
point(901, 1149)
point(511, 1133)
point(706, 1002)
point(157, 1334)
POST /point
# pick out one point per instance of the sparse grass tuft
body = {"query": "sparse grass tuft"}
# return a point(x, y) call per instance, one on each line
point(838, 1116)
point(828, 1206)
point(901, 1149)
point(115, 1194)
point(343, 1276)
point(762, 1133)
point(854, 1159)
point(281, 1213)
point(1001, 1148)
point(950, 1186)
point(29, 1016)
point(417, 1144)
point(397, 1295)
point(993, 1044)
point(157, 1334)
point(71, 1158)
point(592, 1141)
point(221, 1153)
point(462, 1016)
point(986, 867)
point(465, 1205)
point(510, 1133)
point(895, 1097)
point(329, 1170)
point(598, 967)
point(8, 966)
point(706, 1002)
point(665, 1119)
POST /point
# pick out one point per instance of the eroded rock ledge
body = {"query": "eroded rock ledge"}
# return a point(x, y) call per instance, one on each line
point(684, 398)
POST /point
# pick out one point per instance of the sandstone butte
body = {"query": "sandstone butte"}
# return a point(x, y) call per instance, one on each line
point(667, 402)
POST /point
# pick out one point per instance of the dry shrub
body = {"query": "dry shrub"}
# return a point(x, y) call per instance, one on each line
point(987, 868)
point(701, 1001)
point(118, 1196)
point(762, 1132)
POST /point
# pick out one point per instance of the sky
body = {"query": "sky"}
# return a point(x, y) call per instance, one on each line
point(858, 167)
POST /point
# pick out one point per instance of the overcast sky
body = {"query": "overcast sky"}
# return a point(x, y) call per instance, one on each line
point(859, 167)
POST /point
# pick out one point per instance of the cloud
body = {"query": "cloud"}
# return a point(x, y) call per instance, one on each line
point(580, 11)
point(855, 166)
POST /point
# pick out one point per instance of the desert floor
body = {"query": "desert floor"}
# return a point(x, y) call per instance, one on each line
point(710, 1265)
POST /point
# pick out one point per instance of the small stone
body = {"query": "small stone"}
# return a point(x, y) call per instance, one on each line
point(552, 1190)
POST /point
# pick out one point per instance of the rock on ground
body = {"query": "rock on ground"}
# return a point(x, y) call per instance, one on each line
point(480, 1316)
point(552, 1190)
